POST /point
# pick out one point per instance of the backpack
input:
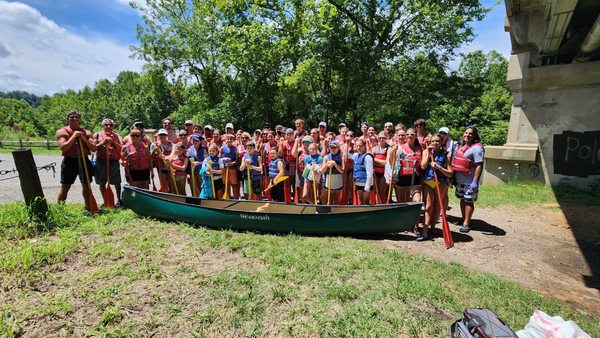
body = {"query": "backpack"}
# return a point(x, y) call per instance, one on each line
point(481, 323)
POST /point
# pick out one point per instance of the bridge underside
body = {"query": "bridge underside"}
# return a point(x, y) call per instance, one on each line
point(554, 74)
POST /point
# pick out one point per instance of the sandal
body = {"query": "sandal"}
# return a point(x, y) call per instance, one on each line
point(465, 228)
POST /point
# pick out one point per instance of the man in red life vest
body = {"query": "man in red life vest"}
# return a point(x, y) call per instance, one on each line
point(68, 139)
point(108, 144)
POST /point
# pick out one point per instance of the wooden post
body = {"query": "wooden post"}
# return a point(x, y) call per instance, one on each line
point(30, 182)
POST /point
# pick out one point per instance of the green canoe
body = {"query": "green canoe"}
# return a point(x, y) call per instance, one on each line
point(273, 217)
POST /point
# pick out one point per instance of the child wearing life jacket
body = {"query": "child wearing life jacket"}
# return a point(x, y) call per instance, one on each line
point(251, 162)
point(179, 162)
point(229, 152)
point(406, 162)
point(196, 153)
point(311, 173)
point(300, 154)
point(436, 166)
point(379, 152)
point(363, 172)
point(332, 169)
point(213, 166)
point(276, 171)
point(160, 150)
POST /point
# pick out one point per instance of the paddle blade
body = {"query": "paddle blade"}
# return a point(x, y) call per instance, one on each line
point(109, 198)
point(93, 203)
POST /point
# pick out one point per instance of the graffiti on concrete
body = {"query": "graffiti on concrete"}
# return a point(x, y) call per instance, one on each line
point(577, 154)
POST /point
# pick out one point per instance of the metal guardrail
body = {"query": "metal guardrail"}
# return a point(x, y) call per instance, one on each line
point(48, 144)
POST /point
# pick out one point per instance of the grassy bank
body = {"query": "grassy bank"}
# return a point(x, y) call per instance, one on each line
point(117, 274)
point(526, 194)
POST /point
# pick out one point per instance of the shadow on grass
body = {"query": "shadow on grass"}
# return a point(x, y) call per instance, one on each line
point(582, 211)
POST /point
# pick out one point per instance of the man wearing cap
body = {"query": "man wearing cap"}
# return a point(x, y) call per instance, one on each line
point(229, 129)
point(138, 125)
point(322, 129)
point(388, 127)
point(160, 150)
point(189, 129)
point(208, 133)
point(108, 153)
point(168, 126)
point(300, 132)
point(69, 139)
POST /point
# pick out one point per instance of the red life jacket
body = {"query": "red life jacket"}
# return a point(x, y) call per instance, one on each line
point(179, 161)
point(301, 163)
point(137, 158)
point(113, 153)
point(380, 154)
point(410, 162)
point(460, 162)
point(288, 149)
point(74, 150)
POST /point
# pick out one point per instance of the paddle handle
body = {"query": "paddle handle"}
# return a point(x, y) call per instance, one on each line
point(445, 227)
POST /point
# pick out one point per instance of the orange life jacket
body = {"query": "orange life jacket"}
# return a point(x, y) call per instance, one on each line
point(380, 154)
point(460, 162)
point(410, 162)
point(74, 150)
point(113, 153)
point(137, 158)
point(179, 161)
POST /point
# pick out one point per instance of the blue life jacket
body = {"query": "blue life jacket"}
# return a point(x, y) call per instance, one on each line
point(338, 160)
point(360, 170)
point(215, 166)
point(229, 153)
point(198, 156)
point(253, 162)
point(440, 159)
point(273, 170)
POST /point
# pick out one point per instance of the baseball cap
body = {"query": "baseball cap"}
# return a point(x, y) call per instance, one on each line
point(208, 126)
point(196, 137)
point(138, 124)
point(334, 144)
point(444, 130)
point(307, 139)
point(289, 131)
point(341, 125)
point(251, 144)
point(322, 124)
point(162, 132)
point(229, 125)
point(388, 124)
point(188, 122)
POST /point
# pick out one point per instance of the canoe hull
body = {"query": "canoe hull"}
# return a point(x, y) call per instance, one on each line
point(246, 215)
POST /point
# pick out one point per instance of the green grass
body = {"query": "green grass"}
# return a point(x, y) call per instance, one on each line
point(35, 150)
point(119, 275)
point(526, 194)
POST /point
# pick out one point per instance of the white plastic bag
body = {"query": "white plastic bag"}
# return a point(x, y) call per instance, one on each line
point(541, 326)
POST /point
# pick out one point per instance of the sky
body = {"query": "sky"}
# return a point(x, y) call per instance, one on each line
point(49, 46)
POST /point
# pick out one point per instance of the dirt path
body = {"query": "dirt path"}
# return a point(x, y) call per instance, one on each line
point(534, 247)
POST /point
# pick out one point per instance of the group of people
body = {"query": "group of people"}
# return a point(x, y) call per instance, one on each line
point(290, 165)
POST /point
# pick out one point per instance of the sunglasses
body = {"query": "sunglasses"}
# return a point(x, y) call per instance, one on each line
point(410, 134)
point(166, 123)
point(109, 125)
point(419, 124)
point(443, 133)
point(135, 135)
point(74, 118)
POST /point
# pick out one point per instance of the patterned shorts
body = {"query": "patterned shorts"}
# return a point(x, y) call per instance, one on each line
point(464, 192)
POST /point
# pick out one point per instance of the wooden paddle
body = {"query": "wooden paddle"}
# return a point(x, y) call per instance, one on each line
point(277, 181)
point(151, 170)
point(92, 199)
point(249, 180)
point(296, 192)
point(193, 179)
point(226, 194)
point(172, 174)
point(329, 187)
point(109, 197)
point(314, 182)
point(445, 227)
point(391, 186)
point(212, 179)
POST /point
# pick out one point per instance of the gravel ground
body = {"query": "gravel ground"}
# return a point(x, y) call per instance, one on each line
point(540, 248)
point(10, 190)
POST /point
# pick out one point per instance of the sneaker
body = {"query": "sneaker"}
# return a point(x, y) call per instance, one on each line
point(465, 228)
point(421, 238)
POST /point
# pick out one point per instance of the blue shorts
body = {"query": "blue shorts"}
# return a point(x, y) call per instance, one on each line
point(464, 192)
